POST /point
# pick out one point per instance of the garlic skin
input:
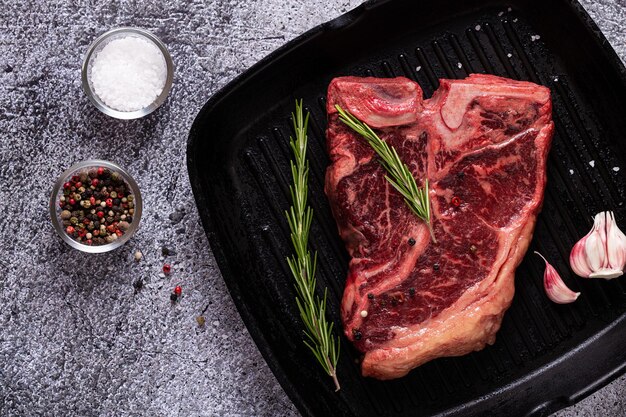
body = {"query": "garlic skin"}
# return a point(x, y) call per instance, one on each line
point(602, 252)
point(556, 290)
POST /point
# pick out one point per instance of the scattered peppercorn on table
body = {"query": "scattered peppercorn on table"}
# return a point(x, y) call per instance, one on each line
point(148, 328)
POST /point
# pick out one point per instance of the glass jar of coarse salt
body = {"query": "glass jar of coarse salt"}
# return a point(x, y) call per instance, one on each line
point(127, 73)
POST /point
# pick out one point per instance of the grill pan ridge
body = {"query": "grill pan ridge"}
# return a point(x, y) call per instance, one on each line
point(546, 356)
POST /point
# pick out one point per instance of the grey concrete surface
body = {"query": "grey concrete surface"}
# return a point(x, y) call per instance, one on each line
point(75, 337)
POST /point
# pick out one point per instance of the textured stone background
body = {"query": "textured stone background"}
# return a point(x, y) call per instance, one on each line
point(75, 339)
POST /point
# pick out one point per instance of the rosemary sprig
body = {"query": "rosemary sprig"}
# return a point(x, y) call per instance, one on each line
point(399, 175)
point(318, 331)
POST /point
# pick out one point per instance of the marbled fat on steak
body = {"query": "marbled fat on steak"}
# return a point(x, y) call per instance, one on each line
point(482, 142)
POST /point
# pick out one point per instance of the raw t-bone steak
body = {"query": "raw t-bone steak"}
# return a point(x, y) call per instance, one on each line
point(482, 142)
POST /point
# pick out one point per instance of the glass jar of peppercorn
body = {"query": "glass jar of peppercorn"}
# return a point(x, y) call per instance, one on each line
point(95, 206)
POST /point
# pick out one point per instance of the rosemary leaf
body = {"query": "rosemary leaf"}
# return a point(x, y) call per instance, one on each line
point(318, 331)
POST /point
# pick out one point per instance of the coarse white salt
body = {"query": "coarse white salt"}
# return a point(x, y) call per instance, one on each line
point(509, 55)
point(500, 14)
point(571, 172)
point(535, 38)
point(459, 65)
point(418, 69)
point(616, 169)
point(129, 73)
point(477, 27)
point(592, 163)
point(515, 20)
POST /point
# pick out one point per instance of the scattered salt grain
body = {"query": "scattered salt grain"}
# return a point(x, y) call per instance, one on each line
point(509, 55)
point(592, 163)
point(459, 65)
point(515, 20)
point(161, 275)
point(509, 10)
point(215, 323)
point(616, 169)
point(571, 172)
point(418, 68)
point(535, 38)
point(556, 79)
point(224, 336)
point(477, 27)
point(129, 73)
point(500, 14)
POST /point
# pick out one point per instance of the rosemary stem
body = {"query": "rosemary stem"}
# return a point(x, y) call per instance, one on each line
point(333, 375)
point(431, 231)
point(318, 332)
point(399, 174)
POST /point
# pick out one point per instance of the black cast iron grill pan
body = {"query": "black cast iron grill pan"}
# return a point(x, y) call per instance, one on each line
point(546, 356)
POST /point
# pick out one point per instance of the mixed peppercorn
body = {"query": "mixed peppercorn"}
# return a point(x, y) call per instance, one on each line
point(178, 291)
point(97, 206)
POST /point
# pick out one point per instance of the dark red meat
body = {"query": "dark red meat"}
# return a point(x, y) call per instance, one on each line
point(483, 143)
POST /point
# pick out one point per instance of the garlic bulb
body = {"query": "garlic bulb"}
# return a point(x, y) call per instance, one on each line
point(602, 253)
point(556, 290)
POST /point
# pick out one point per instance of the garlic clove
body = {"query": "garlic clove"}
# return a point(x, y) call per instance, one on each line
point(555, 288)
point(594, 251)
point(602, 252)
point(615, 244)
point(578, 259)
